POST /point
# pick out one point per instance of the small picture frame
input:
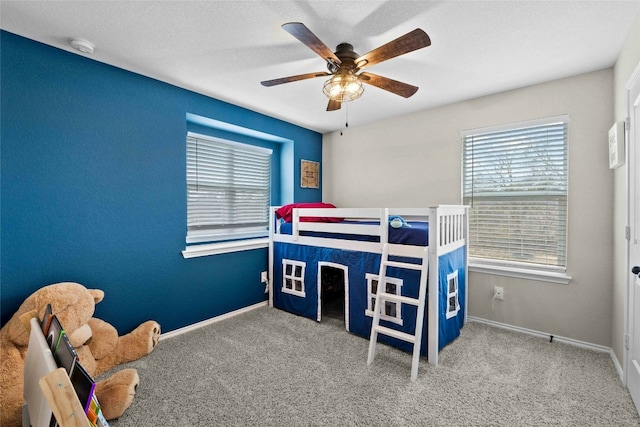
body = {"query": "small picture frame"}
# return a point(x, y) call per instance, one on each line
point(309, 174)
point(616, 145)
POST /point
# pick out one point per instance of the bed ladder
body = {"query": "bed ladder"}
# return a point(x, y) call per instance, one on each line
point(420, 302)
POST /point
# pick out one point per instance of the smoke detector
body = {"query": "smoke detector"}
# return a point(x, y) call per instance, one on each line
point(82, 45)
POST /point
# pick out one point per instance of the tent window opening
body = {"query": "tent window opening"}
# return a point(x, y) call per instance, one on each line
point(453, 303)
point(515, 182)
point(228, 189)
point(391, 310)
point(293, 277)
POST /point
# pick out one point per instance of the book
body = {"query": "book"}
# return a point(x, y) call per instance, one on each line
point(95, 414)
point(46, 320)
point(53, 334)
point(84, 386)
point(65, 354)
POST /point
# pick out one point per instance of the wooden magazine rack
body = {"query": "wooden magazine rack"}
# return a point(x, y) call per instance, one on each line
point(47, 389)
point(61, 397)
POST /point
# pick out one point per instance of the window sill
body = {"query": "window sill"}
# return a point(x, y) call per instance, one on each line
point(300, 294)
point(520, 272)
point(195, 251)
point(387, 318)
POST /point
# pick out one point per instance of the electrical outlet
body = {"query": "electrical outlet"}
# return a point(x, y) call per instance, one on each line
point(263, 277)
point(498, 292)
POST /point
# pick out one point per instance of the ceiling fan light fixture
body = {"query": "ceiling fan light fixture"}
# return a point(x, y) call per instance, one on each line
point(345, 84)
point(343, 87)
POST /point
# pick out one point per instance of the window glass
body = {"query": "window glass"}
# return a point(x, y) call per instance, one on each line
point(228, 189)
point(515, 182)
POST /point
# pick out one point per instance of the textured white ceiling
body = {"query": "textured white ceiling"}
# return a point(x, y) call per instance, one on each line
point(223, 49)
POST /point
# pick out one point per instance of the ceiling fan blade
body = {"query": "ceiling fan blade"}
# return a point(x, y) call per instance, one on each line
point(414, 40)
point(333, 105)
point(393, 86)
point(302, 33)
point(289, 79)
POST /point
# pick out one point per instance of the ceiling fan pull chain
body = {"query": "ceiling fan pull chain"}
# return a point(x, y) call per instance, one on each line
point(346, 120)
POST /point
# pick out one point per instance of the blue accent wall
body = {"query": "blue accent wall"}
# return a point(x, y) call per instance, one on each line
point(93, 189)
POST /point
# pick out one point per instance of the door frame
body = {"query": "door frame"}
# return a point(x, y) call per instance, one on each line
point(345, 270)
point(632, 138)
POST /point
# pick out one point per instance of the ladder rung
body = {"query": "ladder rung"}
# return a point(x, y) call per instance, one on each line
point(399, 298)
point(396, 334)
point(405, 265)
point(376, 329)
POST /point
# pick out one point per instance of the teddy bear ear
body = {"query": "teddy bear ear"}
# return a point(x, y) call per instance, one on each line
point(97, 295)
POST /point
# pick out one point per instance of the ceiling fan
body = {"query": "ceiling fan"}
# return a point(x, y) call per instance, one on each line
point(344, 64)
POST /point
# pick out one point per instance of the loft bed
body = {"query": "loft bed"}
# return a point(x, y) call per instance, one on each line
point(316, 247)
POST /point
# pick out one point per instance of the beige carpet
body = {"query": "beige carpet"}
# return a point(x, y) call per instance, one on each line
point(271, 368)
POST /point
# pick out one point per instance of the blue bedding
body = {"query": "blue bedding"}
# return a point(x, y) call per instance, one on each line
point(417, 234)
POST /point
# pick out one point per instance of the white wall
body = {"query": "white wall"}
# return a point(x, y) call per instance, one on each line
point(627, 62)
point(415, 160)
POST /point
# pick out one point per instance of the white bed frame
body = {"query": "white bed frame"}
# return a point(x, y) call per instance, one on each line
point(448, 231)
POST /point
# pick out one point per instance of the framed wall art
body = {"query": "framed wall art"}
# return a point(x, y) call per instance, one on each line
point(309, 174)
point(616, 145)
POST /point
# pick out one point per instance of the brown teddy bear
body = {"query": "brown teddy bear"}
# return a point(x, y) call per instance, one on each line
point(97, 343)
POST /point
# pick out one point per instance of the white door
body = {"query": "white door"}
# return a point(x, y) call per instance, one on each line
point(633, 356)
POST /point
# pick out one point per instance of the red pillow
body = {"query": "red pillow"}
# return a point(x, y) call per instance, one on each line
point(286, 212)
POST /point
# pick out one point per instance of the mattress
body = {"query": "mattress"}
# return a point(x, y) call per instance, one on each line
point(416, 234)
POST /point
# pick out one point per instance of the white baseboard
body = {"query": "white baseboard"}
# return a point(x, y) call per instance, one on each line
point(199, 325)
point(556, 338)
point(617, 365)
point(565, 340)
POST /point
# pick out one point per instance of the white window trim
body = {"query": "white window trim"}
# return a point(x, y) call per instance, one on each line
point(515, 125)
point(285, 276)
point(195, 251)
point(230, 234)
point(524, 271)
point(450, 294)
point(369, 310)
point(205, 236)
point(528, 271)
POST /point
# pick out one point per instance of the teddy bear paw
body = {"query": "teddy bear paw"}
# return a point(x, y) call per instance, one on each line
point(151, 330)
point(116, 393)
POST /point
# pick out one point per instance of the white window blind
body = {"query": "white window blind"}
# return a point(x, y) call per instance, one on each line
point(515, 181)
point(228, 189)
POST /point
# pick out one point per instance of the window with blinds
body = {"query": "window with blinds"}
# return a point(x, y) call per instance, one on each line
point(515, 182)
point(228, 189)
